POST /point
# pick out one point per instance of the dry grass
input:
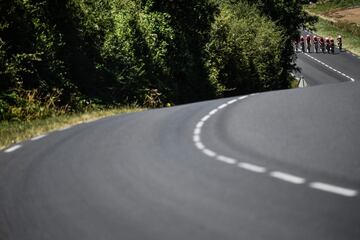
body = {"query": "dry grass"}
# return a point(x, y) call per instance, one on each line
point(342, 18)
point(351, 15)
point(13, 132)
point(351, 41)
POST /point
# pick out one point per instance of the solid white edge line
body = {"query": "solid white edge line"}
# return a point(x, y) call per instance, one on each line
point(287, 177)
point(334, 189)
point(252, 167)
point(13, 148)
point(38, 137)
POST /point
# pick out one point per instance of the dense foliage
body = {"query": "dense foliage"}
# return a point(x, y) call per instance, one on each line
point(244, 51)
point(60, 56)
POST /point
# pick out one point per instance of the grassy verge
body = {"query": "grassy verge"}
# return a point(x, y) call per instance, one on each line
point(326, 6)
point(351, 42)
point(331, 24)
point(294, 83)
point(12, 132)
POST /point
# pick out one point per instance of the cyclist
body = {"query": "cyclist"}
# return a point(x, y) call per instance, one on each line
point(302, 43)
point(308, 42)
point(322, 44)
point(327, 44)
point(296, 42)
point(339, 42)
point(332, 45)
point(316, 43)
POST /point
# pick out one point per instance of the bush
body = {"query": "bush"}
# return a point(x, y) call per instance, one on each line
point(151, 52)
point(135, 53)
point(244, 51)
point(24, 105)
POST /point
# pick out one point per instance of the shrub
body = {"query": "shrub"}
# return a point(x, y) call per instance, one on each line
point(244, 51)
point(20, 104)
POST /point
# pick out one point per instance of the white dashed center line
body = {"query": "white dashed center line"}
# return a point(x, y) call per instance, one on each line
point(334, 189)
point(209, 153)
point(199, 145)
point(252, 167)
point(197, 131)
point(222, 106)
point(232, 101)
point(287, 177)
point(329, 67)
point(196, 138)
point(256, 168)
point(226, 159)
point(213, 112)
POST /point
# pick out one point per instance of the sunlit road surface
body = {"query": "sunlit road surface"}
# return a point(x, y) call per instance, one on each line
point(278, 165)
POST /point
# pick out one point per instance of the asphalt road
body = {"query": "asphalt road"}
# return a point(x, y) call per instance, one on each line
point(278, 165)
point(320, 68)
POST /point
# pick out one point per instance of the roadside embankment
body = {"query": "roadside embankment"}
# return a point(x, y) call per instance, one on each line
point(337, 20)
point(16, 131)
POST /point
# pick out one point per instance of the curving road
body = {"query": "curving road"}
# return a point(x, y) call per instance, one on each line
point(320, 68)
point(278, 165)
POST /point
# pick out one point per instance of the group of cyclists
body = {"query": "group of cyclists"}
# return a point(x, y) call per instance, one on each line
point(319, 43)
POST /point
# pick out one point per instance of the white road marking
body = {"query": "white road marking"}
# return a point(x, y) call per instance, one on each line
point(226, 159)
point(205, 118)
point(197, 131)
point(252, 167)
point(38, 137)
point(255, 168)
point(199, 145)
point(222, 106)
point(334, 189)
point(243, 97)
point(232, 101)
point(13, 148)
point(196, 138)
point(213, 112)
point(209, 152)
point(199, 124)
point(287, 177)
point(331, 68)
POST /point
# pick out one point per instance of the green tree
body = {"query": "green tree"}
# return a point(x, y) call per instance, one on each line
point(191, 21)
point(135, 51)
point(291, 17)
point(244, 51)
